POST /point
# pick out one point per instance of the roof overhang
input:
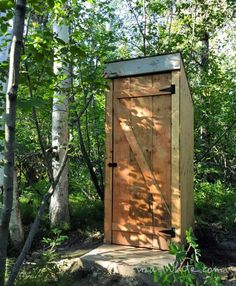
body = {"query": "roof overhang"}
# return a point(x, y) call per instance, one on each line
point(146, 65)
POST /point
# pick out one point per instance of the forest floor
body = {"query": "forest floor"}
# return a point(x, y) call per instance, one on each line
point(218, 251)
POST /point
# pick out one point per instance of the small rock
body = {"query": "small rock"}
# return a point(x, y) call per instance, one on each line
point(95, 274)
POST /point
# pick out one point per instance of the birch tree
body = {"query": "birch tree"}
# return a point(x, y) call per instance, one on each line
point(10, 125)
point(59, 208)
point(3, 88)
point(16, 228)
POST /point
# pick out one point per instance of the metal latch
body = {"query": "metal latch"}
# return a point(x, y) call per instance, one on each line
point(170, 89)
point(112, 165)
point(170, 232)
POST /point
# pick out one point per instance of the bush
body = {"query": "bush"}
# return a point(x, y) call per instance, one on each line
point(43, 274)
point(187, 270)
point(85, 214)
point(215, 203)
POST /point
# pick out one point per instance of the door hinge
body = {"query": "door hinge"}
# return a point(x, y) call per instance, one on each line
point(170, 89)
point(170, 232)
point(112, 165)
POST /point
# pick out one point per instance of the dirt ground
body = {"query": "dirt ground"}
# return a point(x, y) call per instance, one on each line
point(218, 251)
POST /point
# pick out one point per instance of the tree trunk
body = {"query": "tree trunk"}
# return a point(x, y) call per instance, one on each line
point(205, 51)
point(3, 89)
point(204, 132)
point(10, 125)
point(59, 203)
point(88, 162)
point(34, 227)
point(16, 228)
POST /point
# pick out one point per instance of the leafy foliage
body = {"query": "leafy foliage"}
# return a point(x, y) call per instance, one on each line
point(49, 273)
point(215, 203)
point(187, 269)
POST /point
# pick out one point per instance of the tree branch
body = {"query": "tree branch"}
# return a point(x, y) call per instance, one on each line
point(35, 225)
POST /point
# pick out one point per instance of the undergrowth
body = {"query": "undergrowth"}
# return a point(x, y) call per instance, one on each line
point(215, 203)
point(187, 269)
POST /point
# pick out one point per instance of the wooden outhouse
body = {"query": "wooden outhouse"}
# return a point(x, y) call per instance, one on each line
point(149, 152)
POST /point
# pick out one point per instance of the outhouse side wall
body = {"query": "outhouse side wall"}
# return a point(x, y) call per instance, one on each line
point(175, 159)
point(186, 154)
point(108, 171)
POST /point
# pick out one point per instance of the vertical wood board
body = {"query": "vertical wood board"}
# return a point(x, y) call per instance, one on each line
point(121, 179)
point(186, 154)
point(108, 170)
point(161, 158)
point(175, 160)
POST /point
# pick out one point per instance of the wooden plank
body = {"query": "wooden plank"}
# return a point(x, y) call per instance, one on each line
point(186, 155)
point(161, 160)
point(143, 86)
point(175, 184)
point(148, 92)
point(147, 65)
point(121, 177)
point(120, 113)
point(121, 84)
point(141, 240)
point(108, 171)
point(141, 122)
point(140, 229)
point(131, 238)
point(161, 242)
point(161, 81)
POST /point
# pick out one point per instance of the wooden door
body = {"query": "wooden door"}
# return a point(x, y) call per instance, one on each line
point(141, 150)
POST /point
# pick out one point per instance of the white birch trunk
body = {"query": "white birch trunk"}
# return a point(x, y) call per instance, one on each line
point(15, 227)
point(59, 205)
point(4, 51)
point(10, 126)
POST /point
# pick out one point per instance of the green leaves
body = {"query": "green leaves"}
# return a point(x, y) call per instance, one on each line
point(77, 51)
point(51, 3)
point(2, 135)
point(185, 271)
point(26, 105)
point(6, 5)
point(190, 238)
point(178, 251)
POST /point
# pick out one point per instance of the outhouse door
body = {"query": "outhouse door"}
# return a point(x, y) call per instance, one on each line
point(141, 197)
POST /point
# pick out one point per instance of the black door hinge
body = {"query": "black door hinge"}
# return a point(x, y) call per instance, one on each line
point(170, 89)
point(170, 232)
point(112, 165)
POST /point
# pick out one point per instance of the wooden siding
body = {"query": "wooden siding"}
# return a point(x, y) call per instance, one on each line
point(186, 155)
point(175, 158)
point(141, 86)
point(108, 170)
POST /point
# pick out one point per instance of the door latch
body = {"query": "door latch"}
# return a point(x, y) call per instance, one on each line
point(112, 165)
point(170, 232)
point(170, 89)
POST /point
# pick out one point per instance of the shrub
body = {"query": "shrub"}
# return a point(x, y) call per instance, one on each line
point(187, 270)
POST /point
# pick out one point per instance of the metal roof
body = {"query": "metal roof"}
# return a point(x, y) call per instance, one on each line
point(146, 65)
